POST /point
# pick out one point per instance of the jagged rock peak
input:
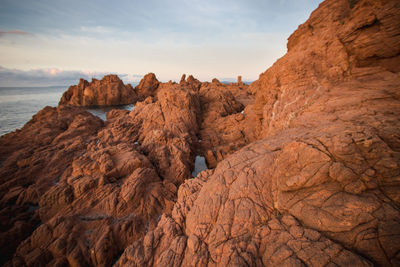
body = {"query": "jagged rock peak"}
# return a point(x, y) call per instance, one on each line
point(108, 91)
point(147, 86)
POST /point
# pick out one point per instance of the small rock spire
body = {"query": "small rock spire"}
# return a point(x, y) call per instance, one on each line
point(239, 80)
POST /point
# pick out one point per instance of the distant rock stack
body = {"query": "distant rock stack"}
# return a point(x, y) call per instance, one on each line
point(183, 79)
point(239, 80)
point(108, 91)
point(215, 81)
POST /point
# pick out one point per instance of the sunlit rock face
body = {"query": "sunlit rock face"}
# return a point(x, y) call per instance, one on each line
point(79, 187)
point(318, 184)
point(302, 165)
point(109, 91)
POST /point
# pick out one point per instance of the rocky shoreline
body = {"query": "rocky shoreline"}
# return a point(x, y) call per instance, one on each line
point(303, 164)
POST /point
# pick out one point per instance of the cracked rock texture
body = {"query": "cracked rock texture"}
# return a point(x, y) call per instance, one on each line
point(77, 191)
point(321, 185)
point(304, 164)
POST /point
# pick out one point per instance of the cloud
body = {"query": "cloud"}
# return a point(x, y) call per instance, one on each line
point(205, 38)
point(96, 30)
point(54, 76)
point(14, 32)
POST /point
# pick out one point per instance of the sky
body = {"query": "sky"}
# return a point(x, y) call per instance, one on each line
point(55, 42)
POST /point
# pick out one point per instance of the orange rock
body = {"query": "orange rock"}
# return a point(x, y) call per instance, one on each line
point(319, 186)
point(304, 173)
point(147, 86)
point(108, 91)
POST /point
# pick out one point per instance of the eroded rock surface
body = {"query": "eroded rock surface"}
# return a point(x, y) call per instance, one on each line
point(91, 188)
point(304, 174)
point(288, 200)
point(33, 159)
point(337, 44)
point(109, 91)
point(147, 86)
point(222, 120)
point(320, 187)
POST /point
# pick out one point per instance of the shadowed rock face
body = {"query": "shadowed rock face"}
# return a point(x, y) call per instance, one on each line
point(147, 86)
point(33, 160)
point(305, 174)
point(108, 91)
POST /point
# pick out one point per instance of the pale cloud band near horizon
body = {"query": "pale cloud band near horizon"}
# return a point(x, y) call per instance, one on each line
point(58, 77)
point(54, 77)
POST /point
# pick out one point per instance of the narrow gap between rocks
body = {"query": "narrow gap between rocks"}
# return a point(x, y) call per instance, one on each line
point(199, 165)
point(101, 112)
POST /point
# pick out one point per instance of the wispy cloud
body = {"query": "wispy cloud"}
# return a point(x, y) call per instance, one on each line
point(14, 32)
point(54, 76)
point(96, 29)
point(205, 38)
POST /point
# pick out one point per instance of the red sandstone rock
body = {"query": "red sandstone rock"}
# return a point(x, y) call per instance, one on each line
point(166, 130)
point(337, 44)
point(147, 86)
point(115, 190)
point(221, 128)
point(34, 159)
point(305, 175)
point(190, 82)
point(239, 80)
point(108, 91)
point(320, 187)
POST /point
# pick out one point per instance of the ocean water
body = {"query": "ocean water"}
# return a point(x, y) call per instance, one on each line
point(19, 104)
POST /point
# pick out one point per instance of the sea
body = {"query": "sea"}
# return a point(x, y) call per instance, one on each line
point(19, 104)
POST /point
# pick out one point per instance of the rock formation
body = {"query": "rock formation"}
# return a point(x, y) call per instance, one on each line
point(108, 91)
point(303, 163)
point(320, 186)
point(110, 181)
point(147, 86)
point(33, 160)
point(239, 79)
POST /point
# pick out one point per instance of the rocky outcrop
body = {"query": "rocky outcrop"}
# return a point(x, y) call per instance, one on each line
point(337, 44)
point(222, 120)
point(109, 91)
point(114, 182)
point(320, 186)
point(147, 86)
point(33, 160)
point(117, 181)
point(290, 200)
point(304, 173)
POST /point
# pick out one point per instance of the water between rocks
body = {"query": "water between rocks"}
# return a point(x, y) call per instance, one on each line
point(199, 165)
point(19, 104)
point(101, 112)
